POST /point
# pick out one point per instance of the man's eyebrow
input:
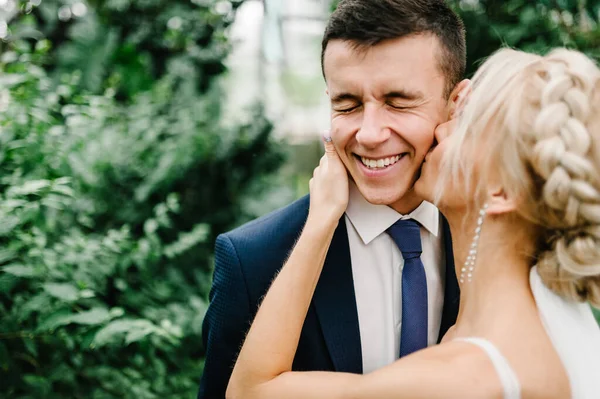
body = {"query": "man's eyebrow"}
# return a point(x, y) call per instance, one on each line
point(338, 98)
point(404, 95)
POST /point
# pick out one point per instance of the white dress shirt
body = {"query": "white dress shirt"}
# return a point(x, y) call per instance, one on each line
point(377, 272)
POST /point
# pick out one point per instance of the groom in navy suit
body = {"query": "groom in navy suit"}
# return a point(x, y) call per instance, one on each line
point(393, 70)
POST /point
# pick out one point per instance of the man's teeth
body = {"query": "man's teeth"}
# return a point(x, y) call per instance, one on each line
point(379, 163)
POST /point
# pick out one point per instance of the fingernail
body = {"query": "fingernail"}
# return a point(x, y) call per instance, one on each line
point(327, 136)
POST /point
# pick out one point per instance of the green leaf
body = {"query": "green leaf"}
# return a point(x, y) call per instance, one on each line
point(87, 293)
point(30, 187)
point(116, 312)
point(56, 319)
point(65, 291)
point(20, 270)
point(6, 255)
point(11, 204)
point(64, 190)
point(39, 385)
point(8, 224)
point(117, 328)
point(137, 335)
point(87, 338)
point(63, 317)
point(10, 80)
point(188, 240)
point(31, 346)
point(91, 317)
point(38, 303)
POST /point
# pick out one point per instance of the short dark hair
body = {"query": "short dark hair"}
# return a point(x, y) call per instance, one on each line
point(366, 23)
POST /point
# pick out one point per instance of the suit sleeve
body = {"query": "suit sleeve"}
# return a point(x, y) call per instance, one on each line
point(226, 322)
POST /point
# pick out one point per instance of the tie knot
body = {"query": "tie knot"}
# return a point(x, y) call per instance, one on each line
point(407, 236)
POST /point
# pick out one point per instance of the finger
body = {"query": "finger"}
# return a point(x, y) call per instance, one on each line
point(330, 151)
point(322, 160)
point(326, 136)
point(444, 130)
point(463, 96)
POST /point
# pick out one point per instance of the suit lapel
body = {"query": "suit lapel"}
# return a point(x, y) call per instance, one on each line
point(451, 291)
point(335, 304)
point(335, 301)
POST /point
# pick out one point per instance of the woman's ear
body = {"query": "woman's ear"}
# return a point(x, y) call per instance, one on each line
point(499, 202)
point(457, 98)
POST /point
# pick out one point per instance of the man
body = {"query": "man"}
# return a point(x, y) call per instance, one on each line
point(393, 70)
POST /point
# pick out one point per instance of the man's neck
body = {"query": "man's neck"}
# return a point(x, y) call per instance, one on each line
point(408, 203)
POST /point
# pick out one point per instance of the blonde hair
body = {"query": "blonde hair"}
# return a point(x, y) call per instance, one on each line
point(537, 120)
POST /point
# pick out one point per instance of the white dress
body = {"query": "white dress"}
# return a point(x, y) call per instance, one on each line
point(575, 335)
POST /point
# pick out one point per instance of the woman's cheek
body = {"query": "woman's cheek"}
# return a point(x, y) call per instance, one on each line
point(437, 155)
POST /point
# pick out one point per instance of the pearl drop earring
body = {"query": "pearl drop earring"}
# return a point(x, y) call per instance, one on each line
point(469, 266)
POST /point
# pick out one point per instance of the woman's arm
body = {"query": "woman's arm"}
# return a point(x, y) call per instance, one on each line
point(451, 370)
point(263, 368)
point(271, 343)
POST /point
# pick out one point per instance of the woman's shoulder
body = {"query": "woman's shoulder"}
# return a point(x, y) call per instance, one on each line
point(453, 369)
point(519, 370)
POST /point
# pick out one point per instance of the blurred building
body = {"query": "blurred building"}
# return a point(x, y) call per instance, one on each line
point(276, 60)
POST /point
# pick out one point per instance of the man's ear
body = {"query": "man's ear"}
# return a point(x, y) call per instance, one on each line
point(457, 98)
point(499, 202)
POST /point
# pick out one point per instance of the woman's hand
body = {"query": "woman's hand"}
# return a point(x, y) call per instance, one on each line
point(328, 187)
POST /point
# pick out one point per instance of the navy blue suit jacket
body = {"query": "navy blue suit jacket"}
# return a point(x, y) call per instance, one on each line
point(246, 261)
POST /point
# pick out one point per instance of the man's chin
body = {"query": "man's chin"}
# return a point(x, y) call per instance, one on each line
point(378, 196)
point(390, 192)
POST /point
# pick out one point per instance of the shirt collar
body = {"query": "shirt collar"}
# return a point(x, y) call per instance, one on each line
point(371, 220)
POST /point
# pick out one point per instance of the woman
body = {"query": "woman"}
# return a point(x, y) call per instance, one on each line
point(518, 182)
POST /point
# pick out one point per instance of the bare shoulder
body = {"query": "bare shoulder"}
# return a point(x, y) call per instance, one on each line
point(450, 334)
point(450, 370)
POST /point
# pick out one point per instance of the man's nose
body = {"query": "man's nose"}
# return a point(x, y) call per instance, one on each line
point(373, 130)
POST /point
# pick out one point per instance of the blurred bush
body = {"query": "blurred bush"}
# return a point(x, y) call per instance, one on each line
point(115, 176)
point(535, 26)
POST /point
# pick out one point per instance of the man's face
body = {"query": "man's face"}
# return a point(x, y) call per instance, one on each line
point(386, 102)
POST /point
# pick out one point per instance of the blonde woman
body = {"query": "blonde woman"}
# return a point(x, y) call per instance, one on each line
point(518, 180)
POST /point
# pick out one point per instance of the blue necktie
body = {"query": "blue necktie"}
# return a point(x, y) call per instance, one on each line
point(413, 335)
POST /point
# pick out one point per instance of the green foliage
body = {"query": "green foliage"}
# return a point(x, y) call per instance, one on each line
point(110, 198)
point(130, 44)
point(535, 26)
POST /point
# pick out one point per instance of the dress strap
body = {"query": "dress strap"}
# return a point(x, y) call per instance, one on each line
point(508, 378)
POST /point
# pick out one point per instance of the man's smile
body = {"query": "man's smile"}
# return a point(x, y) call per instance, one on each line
point(381, 162)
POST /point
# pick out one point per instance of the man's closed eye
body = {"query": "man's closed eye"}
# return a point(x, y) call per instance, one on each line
point(347, 109)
